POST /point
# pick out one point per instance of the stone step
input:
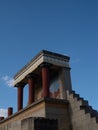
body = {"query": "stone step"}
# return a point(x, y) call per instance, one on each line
point(72, 92)
point(89, 109)
point(75, 95)
point(80, 98)
point(84, 105)
point(85, 102)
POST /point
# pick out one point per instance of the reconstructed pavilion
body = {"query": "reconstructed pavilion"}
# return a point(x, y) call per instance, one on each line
point(52, 104)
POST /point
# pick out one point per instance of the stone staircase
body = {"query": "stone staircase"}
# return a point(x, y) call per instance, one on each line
point(83, 116)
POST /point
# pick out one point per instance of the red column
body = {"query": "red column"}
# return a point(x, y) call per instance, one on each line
point(45, 80)
point(31, 84)
point(20, 95)
point(10, 111)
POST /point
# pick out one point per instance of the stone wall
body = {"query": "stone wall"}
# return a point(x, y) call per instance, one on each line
point(64, 81)
point(59, 110)
point(13, 122)
point(39, 124)
point(47, 107)
point(82, 116)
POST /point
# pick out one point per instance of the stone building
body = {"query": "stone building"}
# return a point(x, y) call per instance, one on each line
point(52, 103)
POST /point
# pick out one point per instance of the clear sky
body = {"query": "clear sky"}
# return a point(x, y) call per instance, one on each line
point(69, 27)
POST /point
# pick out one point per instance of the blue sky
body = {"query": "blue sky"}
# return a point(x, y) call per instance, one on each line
point(69, 27)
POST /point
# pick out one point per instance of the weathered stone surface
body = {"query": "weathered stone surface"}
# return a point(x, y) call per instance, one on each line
point(81, 118)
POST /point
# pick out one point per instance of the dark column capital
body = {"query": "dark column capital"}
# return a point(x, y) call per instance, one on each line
point(1, 118)
point(45, 64)
point(10, 111)
point(31, 75)
point(20, 84)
